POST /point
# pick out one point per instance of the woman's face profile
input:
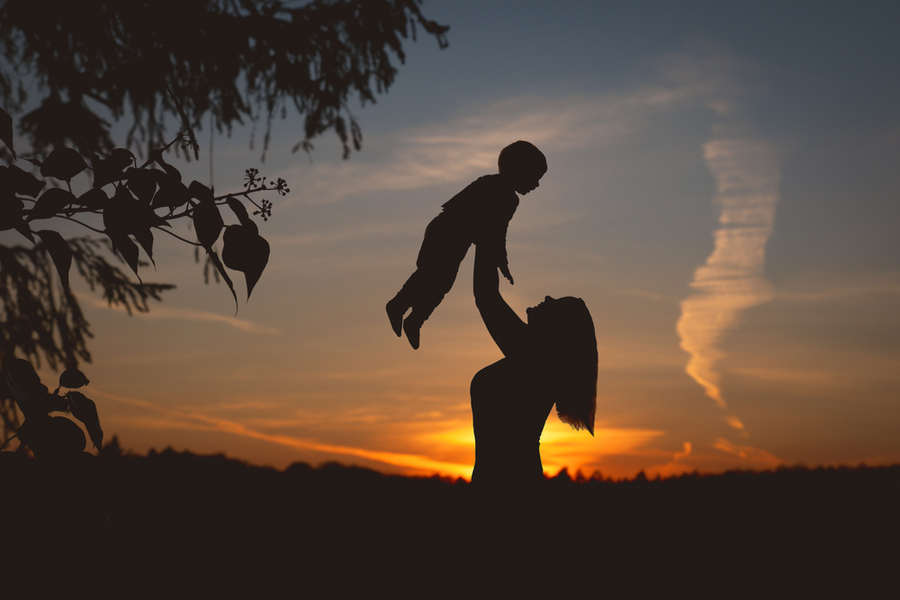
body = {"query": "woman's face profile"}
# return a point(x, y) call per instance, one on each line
point(536, 314)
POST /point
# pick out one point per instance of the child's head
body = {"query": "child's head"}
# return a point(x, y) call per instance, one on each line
point(524, 164)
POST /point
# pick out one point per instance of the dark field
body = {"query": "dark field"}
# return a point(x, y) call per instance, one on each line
point(173, 525)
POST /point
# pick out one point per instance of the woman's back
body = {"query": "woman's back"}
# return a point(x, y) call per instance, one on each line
point(509, 409)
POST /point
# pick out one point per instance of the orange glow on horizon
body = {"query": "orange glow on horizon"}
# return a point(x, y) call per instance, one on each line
point(561, 446)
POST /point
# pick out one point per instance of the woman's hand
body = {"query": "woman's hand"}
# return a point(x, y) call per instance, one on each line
point(509, 332)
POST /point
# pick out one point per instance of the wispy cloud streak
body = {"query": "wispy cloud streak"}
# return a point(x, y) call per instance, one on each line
point(755, 455)
point(184, 314)
point(466, 145)
point(731, 281)
point(173, 418)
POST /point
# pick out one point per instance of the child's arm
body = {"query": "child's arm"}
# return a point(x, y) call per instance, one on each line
point(494, 251)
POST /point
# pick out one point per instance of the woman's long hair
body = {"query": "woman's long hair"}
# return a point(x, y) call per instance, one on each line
point(571, 345)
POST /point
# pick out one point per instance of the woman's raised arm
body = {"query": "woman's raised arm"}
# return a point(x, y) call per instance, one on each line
point(509, 332)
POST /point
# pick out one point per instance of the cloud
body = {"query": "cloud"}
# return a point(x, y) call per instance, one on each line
point(724, 82)
point(756, 457)
point(466, 144)
point(463, 148)
point(172, 418)
point(805, 378)
point(882, 284)
point(701, 460)
point(731, 281)
point(735, 422)
point(184, 314)
point(447, 445)
point(676, 466)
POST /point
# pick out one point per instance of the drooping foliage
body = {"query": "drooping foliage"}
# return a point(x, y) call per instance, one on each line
point(51, 438)
point(235, 60)
point(128, 203)
point(69, 66)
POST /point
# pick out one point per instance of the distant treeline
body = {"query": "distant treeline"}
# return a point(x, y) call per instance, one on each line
point(178, 525)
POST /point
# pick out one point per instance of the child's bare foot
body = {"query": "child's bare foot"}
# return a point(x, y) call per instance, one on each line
point(395, 314)
point(412, 332)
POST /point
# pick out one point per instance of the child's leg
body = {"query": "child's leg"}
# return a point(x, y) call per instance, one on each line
point(396, 308)
point(438, 261)
point(415, 292)
point(434, 286)
point(413, 323)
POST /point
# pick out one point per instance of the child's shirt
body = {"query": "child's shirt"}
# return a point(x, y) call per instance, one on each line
point(481, 213)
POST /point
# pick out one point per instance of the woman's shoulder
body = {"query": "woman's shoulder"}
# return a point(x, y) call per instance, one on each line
point(525, 367)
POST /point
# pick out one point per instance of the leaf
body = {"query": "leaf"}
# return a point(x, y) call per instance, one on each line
point(10, 209)
point(63, 163)
point(142, 183)
point(73, 378)
point(23, 381)
point(156, 155)
point(26, 432)
point(94, 199)
point(59, 437)
point(218, 264)
point(60, 252)
point(51, 202)
point(128, 250)
point(172, 193)
point(125, 214)
point(121, 158)
point(245, 251)
point(200, 191)
point(106, 170)
point(144, 237)
point(237, 207)
point(18, 394)
point(207, 221)
point(84, 409)
point(23, 228)
point(51, 437)
point(47, 403)
point(6, 131)
point(21, 182)
point(118, 215)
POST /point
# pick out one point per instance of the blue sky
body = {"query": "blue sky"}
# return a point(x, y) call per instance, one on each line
point(722, 191)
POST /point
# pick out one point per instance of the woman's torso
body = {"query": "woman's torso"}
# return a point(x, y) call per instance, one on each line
point(509, 409)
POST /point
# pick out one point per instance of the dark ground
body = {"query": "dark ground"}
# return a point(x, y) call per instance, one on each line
point(176, 525)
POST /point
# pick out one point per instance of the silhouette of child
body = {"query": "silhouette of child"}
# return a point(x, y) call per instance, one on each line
point(479, 215)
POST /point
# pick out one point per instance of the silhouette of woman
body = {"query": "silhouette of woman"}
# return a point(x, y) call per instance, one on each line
point(550, 360)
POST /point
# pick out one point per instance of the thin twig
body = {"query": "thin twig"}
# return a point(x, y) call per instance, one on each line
point(82, 224)
point(178, 237)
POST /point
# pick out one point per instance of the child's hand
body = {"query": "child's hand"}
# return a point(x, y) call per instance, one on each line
point(505, 270)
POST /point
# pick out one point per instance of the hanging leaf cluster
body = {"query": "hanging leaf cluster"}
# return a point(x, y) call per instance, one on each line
point(234, 60)
point(135, 203)
point(51, 437)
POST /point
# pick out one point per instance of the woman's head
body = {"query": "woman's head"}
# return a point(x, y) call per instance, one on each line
point(566, 331)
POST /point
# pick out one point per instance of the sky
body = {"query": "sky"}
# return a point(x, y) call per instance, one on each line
point(722, 191)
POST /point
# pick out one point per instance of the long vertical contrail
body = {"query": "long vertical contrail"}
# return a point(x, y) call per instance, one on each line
point(731, 281)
